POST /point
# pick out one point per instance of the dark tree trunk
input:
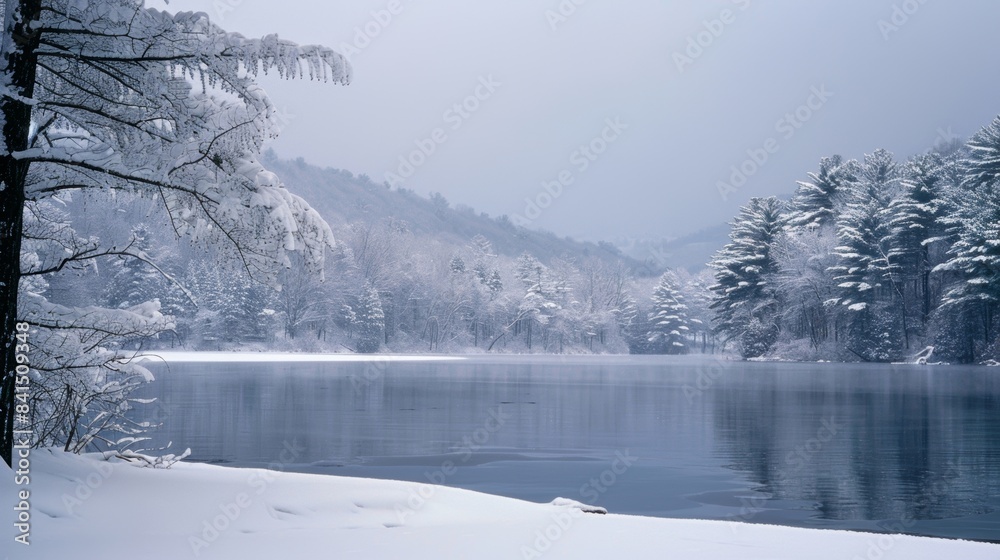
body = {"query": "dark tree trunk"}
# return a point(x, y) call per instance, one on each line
point(19, 43)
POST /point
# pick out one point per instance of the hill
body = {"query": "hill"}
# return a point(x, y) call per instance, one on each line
point(342, 197)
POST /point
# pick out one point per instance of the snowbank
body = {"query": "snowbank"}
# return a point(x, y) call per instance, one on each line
point(84, 508)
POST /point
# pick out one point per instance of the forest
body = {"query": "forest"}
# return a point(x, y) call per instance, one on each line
point(877, 260)
point(874, 260)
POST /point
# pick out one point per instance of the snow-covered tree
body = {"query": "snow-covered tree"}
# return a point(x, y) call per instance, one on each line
point(540, 302)
point(668, 320)
point(867, 277)
point(975, 222)
point(877, 257)
point(981, 169)
point(915, 223)
point(138, 275)
point(698, 297)
point(805, 256)
point(745, 269)
point(369, 321)
point(816, 200)
point(112, 96)
point(301, 302)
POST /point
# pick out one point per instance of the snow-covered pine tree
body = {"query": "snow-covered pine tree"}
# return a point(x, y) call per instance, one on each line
point(698, 298)
point(981, 168)
point(915, 227)
point(975, 255)
point(133, 281)
point(536, 306)
point(369, 321)
point(816, 200)
point(669, 328)
point(866, 277)
point(114, 96)
point(244, 308)
point(745, 294)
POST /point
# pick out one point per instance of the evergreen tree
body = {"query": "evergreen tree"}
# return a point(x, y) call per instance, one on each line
point(981, 168)
point(133, 279)
point(537, 306)
point(669, 323)
point(915, 224)
point(369, 321)
point(865, 275)
point(745, 269)
point(974, 257)
point(815, 202)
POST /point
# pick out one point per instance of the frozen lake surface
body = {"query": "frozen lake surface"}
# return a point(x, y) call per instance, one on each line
point(846, 446)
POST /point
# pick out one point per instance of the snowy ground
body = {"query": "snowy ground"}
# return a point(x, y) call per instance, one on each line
point(84, 508)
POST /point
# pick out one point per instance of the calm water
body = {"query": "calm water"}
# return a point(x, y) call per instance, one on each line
point(862, 447)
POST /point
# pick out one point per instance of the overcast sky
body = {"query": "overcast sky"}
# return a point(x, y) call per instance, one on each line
point(666, 96)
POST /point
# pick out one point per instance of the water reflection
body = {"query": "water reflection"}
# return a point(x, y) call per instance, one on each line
point(862, 447)
point(908, 443)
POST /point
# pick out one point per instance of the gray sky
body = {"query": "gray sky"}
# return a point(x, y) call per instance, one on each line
point(692, 86)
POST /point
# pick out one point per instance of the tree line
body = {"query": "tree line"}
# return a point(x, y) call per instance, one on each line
point(875, 260)
point(386, 289)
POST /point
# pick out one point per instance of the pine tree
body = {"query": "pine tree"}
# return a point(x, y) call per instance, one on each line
point(982, 166)
point(369, 321)
point(133, 281)
point(669, 323)
point(915, 224)
point(975, 223)
point(537, 306)
point(866, 277)
point(745, 269)
point(815, 202)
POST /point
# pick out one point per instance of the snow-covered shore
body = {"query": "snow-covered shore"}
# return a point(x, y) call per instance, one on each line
point(85, 508)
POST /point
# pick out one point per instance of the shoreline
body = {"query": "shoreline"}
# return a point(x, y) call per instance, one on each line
point(208, 511)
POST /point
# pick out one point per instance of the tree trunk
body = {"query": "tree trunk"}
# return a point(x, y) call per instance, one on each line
point(18, 61)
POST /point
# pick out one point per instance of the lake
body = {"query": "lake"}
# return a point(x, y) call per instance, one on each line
point(912, 449)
